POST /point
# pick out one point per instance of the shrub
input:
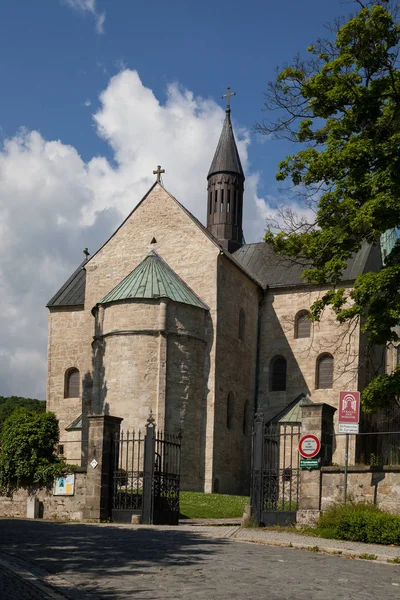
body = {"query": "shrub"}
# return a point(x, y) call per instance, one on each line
point(27, 456)
point(360, 523)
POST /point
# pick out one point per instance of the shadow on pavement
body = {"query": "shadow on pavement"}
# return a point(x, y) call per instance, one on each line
point(90, 557)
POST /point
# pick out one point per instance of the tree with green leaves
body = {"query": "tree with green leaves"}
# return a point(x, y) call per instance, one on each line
point(27, 454)
point(8, 405)
point(342, 105)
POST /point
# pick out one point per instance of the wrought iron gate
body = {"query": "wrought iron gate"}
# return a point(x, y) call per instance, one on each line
point(275, 472)
point(146, 476)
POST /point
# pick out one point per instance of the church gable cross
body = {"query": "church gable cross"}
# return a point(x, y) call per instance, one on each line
point(228, 98)
point(158, 172)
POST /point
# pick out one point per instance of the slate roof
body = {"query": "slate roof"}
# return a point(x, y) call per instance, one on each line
point(72, 293)
point(226, 158)
point(272, 270)
point(153, 278)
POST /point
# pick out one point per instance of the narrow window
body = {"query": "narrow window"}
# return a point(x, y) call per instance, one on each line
point(210, 202)
point(245, 417)
point(230, 409)
point(228, 202)
point(72, 384)
point(324, 372)
point(216, 200)
point(222, 200)
point(302, 326)
point(234, 208)
point(278, 374)
point(242, 324)
point(61, 450)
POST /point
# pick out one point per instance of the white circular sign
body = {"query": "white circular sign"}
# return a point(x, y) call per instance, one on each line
point(309, 446)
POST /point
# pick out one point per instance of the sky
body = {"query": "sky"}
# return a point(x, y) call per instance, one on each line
point(95, 94)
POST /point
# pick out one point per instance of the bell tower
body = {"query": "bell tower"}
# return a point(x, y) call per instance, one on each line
point(225, 188)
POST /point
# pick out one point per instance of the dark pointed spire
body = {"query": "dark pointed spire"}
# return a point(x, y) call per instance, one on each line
point(225, 188)
point(226, 158)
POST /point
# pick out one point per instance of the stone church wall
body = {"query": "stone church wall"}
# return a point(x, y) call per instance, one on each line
point(279, 310)
point(186, 388)
point(235, 379)
point(69, 345)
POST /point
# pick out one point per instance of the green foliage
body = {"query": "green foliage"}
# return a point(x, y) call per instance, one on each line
point(342, 105)
point(359, 523)
point(196, 505)
point(8, 405)
point(27, 456)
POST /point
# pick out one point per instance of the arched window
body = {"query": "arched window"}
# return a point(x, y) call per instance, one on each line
point(230, 409)
point(302, 326)
point(278, 374)
point(324, 372)
point(72, 384)
point(242, 324)
point(246, 417)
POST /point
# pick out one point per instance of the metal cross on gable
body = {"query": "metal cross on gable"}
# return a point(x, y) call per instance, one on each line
point(228, 98)
point(158, 172)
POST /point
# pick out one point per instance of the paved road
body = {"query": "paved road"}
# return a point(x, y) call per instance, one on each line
point(112, 563)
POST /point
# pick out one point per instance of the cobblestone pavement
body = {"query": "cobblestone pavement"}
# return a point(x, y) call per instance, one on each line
point(115, 563)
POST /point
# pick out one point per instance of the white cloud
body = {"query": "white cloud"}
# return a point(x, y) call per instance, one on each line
point(53, 204)
point(89, 6)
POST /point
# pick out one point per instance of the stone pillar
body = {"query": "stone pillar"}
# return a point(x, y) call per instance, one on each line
point(316, 419)
point(102, 429)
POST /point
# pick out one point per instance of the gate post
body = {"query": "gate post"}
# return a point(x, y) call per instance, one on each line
point(148, 477)
point(316, 419)
point(257, 459)
point(101, 432)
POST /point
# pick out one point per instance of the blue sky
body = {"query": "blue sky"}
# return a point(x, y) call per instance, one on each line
point(95, 94)
point(53, 59)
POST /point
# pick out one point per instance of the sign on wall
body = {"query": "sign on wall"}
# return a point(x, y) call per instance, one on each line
point(349, 412)
point(309, 446)
point(64, 485)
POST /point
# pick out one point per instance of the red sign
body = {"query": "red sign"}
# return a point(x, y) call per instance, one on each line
point(349, 407)
point(309, 446)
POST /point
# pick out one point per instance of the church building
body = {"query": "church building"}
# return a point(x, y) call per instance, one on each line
point(187, 320)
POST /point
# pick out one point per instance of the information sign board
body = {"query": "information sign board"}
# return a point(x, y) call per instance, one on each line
point(309, 446)
point(349, 428)
point(64, 486)
point(309, 463)
point(349, 407)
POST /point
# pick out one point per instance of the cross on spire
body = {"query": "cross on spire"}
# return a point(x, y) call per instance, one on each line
point(228, 98)
point(158, 172)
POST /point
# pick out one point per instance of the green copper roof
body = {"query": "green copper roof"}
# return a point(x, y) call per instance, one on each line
point(293, 412)
point(153, 278)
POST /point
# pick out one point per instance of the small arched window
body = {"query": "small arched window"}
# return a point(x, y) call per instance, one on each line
point(278, 374)
point(72, 384)
point(230, 409)
point(242, 324)
point(302, 326)
point(324, 372)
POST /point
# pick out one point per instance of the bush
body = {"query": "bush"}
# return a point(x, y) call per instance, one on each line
point(27, 455)
point(359, 523)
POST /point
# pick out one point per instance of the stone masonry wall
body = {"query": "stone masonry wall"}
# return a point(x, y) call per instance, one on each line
point(68, 508)
point(236, 365)
point(187, 250)
point(279, 310)
point(186, 388)
point(364, 484)
point(70, 334)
